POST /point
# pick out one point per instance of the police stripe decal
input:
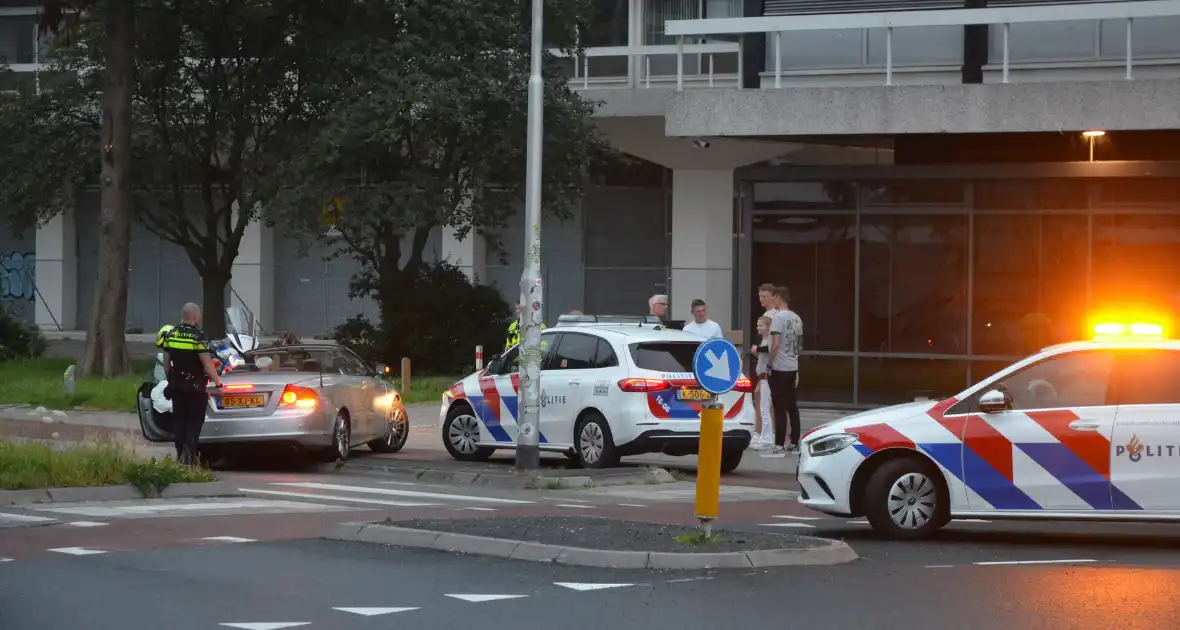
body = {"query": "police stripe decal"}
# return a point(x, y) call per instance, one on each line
point(1074, 473)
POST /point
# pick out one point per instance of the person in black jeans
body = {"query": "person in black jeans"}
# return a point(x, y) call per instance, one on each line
point(786, 330)
point(189, 367)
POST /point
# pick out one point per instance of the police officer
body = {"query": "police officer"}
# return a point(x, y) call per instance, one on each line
point(513, 336)
point(189, 368)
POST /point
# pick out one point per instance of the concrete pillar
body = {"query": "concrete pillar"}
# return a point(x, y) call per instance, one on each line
point(253, 281)
point(468, 254)
point(702, 243)
point(56, 274)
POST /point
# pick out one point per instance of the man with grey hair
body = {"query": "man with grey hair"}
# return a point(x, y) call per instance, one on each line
point(658, 306)
point(189, 368)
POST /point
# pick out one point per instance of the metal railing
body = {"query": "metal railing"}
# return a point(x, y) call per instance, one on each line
point(1004, 16)
point(706, 52)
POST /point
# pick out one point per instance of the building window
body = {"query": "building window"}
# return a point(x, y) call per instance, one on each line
point(18, 39)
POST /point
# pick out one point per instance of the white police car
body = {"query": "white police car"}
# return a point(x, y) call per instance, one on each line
point(1085, 430)
point(611, 386)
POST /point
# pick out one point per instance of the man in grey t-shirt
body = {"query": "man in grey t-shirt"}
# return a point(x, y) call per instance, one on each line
point(786, 341)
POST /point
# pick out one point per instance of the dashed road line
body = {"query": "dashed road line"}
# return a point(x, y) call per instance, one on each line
point(478, 509)
point(77, 551)
point(404, 493)
point(332, 497)
point(575, 505)
point(24, 518)
point(632, 505)
point(796, 525)
point(1011, 562)
point(86, 524)
point(800, 518)
point(229, 539)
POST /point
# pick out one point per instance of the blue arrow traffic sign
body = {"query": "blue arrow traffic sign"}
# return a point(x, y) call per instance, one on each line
point(717, 366)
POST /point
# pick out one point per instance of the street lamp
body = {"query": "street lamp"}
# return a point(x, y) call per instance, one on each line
point(528, 450)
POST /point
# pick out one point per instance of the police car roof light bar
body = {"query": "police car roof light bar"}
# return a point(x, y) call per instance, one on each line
point(582, 320)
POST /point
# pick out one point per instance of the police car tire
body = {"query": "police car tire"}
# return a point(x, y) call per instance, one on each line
point(731, 458)
point(880, 485)
point(481, 454)
point(609, 457)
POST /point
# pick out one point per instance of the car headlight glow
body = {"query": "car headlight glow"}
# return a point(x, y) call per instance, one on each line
point(830, 444)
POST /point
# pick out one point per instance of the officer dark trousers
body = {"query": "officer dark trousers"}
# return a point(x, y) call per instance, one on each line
point(189, 411)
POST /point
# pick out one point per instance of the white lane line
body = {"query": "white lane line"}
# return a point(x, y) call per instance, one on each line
point(402, 493)
point(78, 551)
point(859, 522)
point(330, 497)
point(23, 518)
point(939, 566)
point(5, 559)
point(1008, 562)
point(573, 500)
point(800, 525)
point(632, 505)
point(229, 539)
point(800, 518)
point(574, 505)
point(479, 509)
point(272, 625)
point(155, 508)
point(693, 579)
point(969, 520)
point(86, 524)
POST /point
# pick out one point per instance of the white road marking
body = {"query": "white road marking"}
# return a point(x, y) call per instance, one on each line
point(800, 518)
point(403, 493)
point(332, 497)
point(632, 505)
point(86, 524)
point(574, 505)
point(581, 586)
point(1007, 562)
point(572, 500)
point(969, 520)
point(266, 625)
point(229, 539)
point(479, 509)
point(23, 518)
point(694, 579)
point(482, 598)
point(373, 612)
point(78, 551)
point(939, 566)
point(857, 522)
point(156, 508)
point(5, 559)
point(801, 525)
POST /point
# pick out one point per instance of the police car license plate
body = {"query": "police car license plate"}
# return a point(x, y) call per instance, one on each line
point(693, 394)
point(238, 402)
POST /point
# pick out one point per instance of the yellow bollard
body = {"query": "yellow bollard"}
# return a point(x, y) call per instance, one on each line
point(709, 464)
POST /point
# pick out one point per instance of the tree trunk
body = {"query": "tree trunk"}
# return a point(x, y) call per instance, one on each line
point(106, 342)
point(213, 302)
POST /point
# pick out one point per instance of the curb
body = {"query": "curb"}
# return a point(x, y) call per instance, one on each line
point(117, 493)
point(828, 552)
point(650, 476)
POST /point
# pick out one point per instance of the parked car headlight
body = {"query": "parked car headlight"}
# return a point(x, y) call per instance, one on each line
point(830, 444)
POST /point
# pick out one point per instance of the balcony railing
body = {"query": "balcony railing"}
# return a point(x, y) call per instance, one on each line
point(775, 27)
point(709, 64)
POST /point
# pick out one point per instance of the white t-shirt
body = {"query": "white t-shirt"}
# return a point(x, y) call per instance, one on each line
point(709, 330)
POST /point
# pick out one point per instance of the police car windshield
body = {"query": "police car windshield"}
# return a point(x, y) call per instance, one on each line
point(286, 360)
point(664, 356)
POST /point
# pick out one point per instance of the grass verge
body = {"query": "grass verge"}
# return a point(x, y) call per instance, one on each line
point(39, 382)
point(26, 466)
point(425, 389)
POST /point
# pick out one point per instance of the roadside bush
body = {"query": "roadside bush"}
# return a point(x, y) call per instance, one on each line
point(19, 340)
point(435, 316)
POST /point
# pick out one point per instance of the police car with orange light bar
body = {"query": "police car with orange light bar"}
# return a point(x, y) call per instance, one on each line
point(1078, 431)
point(611, 386)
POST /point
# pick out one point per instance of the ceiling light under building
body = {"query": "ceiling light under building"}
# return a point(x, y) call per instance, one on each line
point(1096, 133)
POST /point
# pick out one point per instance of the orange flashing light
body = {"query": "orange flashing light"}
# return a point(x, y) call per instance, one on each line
point(1142, 331)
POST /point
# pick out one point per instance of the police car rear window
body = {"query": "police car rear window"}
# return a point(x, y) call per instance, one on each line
point(664, 356)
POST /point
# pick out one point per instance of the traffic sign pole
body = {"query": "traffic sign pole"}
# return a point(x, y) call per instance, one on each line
point(709, 464)
point(717, 367)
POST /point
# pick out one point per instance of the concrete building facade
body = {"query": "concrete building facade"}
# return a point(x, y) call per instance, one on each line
point(915, 171)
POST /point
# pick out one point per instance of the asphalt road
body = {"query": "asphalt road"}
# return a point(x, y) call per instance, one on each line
point(309, 582)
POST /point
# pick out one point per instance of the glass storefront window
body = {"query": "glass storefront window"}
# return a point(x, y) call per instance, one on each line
point(795, 196)
point(893, 381)
point(936, 192)
point(825, 379)
point(814, 257)
point(1030, 282)
point(1135, 262)
point(913, 283)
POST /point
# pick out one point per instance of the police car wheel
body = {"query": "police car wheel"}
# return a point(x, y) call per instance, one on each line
point(397, 431)
point(460, 433)
point(905, 499)
point(593, 443)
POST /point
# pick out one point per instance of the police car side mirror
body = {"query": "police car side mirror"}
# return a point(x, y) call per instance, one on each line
point(994, 401)
point(494, 365)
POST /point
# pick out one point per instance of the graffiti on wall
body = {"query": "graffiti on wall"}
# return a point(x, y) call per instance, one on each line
point(17, 271)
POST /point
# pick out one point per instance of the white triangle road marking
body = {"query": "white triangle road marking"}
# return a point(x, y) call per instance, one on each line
point(272, 625)
point(800, 518)
point(583, 586)
point(798, 525)
point(77, 551)
point(24, 518)
point(373, 612)
point(482, 598)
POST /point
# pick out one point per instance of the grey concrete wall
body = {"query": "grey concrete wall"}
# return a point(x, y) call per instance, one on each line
point(981, 108)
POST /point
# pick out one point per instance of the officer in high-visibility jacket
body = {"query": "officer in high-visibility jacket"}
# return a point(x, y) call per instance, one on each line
point(513, 336)
point(189, 368)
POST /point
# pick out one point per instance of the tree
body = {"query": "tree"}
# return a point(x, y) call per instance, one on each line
point(431, 132)
point(220, 82)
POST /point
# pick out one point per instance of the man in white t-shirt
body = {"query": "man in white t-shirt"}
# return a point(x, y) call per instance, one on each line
point(701, 324)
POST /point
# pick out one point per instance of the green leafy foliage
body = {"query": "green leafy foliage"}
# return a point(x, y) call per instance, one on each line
point(440, 330)
point(19, 340)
